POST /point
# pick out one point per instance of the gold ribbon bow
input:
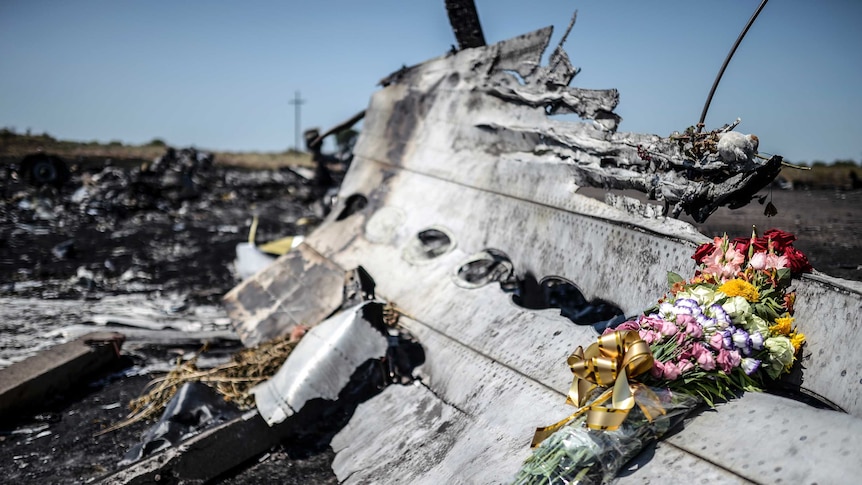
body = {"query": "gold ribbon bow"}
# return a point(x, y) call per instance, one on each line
point(610, 361)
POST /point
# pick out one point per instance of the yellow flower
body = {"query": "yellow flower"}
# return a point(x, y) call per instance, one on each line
point(738, 287)
point(782, 325)
point(797, 339)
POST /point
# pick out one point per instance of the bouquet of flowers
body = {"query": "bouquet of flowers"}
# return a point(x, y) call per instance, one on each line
point(726, 330)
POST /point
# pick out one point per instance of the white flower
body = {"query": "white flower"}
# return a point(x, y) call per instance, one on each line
point(755, 324)
point(780, 354)
point(704, 295)
point(738, 308)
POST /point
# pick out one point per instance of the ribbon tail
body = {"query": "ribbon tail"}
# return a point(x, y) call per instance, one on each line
point(610, 418)
point(542, 433)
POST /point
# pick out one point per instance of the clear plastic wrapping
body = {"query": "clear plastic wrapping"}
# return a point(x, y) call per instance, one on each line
point(577, 455)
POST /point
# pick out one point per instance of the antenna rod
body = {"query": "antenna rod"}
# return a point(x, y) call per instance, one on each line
point(726, 62)
point(297, 101)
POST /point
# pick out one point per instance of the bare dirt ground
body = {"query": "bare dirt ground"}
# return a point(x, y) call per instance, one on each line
point(827, 223)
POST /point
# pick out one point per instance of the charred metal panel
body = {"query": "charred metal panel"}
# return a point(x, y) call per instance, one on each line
point(277, 299)
point(447, 144)
point(499, 89)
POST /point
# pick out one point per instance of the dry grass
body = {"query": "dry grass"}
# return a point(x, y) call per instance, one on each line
point(234, 380)
point(264, 161)
point(822, 176)
point(16, 146)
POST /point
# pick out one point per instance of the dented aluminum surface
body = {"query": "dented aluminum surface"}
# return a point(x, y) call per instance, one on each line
point(458, 145)
point(321, 365)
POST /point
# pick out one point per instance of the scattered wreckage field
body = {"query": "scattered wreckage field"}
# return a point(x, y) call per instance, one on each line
point(116, 237)
point(121, 229)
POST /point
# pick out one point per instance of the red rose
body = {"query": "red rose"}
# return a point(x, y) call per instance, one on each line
point(780, 239)
point(702, 252)
point(797, 261)
point(741, 244)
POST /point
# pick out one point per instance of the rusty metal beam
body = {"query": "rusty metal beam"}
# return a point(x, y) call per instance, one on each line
point(465, 23)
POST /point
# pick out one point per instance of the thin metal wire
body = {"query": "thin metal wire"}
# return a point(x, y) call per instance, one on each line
point(726, 62)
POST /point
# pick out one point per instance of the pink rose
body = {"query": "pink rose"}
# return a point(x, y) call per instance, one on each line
point(671, 371)
point(684, 366)
point(668, 328)
point(758, 261)
point(692, 328)
point(630, 325)
point(652, 322)
point(728, 359)
point(694, 352)
point(649, 336)
point(657, 370)
point(716, 341)
point(705, 360)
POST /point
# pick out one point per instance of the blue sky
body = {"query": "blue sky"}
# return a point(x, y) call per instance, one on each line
point(220, 75)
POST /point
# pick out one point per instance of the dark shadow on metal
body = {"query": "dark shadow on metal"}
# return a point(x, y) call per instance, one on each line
point(487, 266)
point(558, 292)
point(429, 244)
point(353, 204)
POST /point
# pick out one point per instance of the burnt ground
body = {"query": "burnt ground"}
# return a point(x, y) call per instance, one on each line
point(115, 228)
point(175, 230)
point(119, 229)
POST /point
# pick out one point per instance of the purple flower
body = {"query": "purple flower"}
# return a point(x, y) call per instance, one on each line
point(749, 365)
point(741, 340)
point(722, 319)
point(705, 322)
point(727, 339)
point(688, 303)
point(757, 341)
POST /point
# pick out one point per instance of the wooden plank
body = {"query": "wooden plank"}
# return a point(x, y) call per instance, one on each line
point(156, 337)
point(27, 383)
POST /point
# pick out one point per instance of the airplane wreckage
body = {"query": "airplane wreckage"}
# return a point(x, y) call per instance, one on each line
point(463, 192)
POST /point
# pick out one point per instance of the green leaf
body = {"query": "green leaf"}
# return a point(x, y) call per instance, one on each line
point(673, 278)
point(783, 277)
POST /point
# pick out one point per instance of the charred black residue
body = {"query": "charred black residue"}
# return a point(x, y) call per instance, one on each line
point(353, 204)
point(407, 114)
